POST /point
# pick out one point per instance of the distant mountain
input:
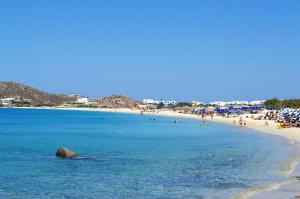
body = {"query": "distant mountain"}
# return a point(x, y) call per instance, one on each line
point(35, 97)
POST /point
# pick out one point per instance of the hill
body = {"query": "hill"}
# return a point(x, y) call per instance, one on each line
point(34, 97)
point(117, 101)
point(26, 95)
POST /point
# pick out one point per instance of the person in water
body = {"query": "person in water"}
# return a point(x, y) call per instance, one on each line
point(204, 123)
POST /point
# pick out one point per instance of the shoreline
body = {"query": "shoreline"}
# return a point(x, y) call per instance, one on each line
point(284, 188)
point(292, 134)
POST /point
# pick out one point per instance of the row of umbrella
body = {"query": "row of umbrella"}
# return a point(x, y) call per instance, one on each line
point(291, 113)
point(237, 110)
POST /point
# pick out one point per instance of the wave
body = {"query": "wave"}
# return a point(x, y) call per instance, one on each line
point(269, 187)
point(287, 169)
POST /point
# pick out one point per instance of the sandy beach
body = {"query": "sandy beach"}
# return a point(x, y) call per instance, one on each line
point(279, 190)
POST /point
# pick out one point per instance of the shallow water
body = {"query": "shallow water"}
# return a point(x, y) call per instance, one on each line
point(129, 156)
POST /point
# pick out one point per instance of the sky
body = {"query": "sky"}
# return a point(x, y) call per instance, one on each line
point(163, 49)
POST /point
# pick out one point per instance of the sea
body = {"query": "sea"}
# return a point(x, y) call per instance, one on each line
point(132, 156)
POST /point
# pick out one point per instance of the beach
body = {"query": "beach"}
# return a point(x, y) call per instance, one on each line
point(285, 189)
point(150, 99)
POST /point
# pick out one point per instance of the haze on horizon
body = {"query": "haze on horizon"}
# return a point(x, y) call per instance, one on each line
point(182, 50)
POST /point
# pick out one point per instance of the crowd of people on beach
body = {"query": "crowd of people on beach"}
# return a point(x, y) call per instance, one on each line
point(289, 118)
point(285, 118)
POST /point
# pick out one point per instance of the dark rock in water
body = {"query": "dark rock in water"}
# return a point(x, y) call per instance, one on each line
point(65, 153)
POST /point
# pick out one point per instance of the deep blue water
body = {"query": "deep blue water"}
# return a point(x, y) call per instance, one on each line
point(128, 156)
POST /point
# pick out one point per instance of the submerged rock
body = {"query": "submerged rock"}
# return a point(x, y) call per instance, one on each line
point(65, 153)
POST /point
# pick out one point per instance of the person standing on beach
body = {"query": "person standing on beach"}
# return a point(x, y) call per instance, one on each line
point(241, 121)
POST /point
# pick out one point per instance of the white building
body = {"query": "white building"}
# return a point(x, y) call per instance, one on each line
point(168, 102)
point(6, 101)
point(196, 103)
point(200, 103)
point(73, 95)
point(148, 101)
point(86, 100)
point(218, 103)
point(237, 103)
point(156, 102)
point(257, 102)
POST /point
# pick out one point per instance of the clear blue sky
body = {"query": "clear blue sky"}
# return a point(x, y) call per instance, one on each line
point(183, 50)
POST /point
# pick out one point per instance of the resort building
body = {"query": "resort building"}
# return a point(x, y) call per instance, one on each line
point(148, 101)
point(156, 102)
point(237, 103)
point(195, 103)
point(6, 101)
point(257, 102)
point(168, 103)
point(11, 101)
point(86, 100)
point(218, 103)
point(73, 95)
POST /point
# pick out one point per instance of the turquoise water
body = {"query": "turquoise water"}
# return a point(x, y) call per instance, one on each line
point(128, 156)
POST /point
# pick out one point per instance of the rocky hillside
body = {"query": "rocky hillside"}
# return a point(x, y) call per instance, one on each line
point(23, 93)
point(32, 95)
point(117, 101)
